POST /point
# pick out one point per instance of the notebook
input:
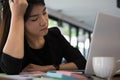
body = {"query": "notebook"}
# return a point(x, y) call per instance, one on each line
point(105, 40)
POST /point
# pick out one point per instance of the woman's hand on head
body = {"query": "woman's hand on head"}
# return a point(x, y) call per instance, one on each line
point(18, 7)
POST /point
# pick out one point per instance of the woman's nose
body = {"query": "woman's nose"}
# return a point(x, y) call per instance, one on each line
point(42, 21)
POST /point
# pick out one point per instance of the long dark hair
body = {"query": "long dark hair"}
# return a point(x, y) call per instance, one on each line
point(6, 19)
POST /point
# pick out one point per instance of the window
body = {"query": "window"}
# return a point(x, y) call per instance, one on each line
point(81, 41)
point(66, 31)
point(52, 23)
point(73, 36)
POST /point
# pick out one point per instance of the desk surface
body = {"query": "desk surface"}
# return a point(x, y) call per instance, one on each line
point(114, 78)
point(93, 78)
point(51, 78)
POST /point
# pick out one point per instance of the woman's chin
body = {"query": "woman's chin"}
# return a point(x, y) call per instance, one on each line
point(44, 33)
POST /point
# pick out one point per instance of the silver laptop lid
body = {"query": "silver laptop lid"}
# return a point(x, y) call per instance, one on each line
point(105, 39)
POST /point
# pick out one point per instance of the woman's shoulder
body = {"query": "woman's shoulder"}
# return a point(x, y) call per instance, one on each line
point(54, 31)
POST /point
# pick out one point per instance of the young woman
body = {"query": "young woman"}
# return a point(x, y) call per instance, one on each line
point(28, 45)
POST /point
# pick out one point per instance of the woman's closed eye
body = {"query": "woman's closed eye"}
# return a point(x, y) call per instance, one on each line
point(34, 19)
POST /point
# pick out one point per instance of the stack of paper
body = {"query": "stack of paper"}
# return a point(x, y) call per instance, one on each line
point(50, 75)
point(23, 76)
point(73, 74)
point(15, 77)
point(60, 76)
point(46, 78)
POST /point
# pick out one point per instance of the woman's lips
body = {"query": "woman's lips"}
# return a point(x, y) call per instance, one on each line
point(44, 29)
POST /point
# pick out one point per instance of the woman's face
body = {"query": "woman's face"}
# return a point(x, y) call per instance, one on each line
point(37, 23)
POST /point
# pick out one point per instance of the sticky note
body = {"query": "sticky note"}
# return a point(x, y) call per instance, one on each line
point(61, 76)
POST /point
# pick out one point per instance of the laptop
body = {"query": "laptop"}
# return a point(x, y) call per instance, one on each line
point(105, 40)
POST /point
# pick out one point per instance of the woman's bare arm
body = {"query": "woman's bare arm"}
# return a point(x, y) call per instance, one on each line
point(33, 67)
point(14, 45)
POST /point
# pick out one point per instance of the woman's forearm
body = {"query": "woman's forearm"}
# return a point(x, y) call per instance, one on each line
point(68, 66)
point(14, 45)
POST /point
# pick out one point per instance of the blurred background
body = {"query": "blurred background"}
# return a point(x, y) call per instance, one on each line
point(76, 18)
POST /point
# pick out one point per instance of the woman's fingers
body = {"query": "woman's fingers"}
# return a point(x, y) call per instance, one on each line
point(10, 2)
point(18, 7)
